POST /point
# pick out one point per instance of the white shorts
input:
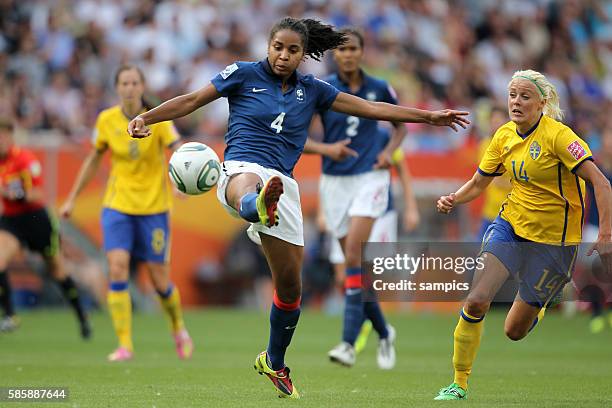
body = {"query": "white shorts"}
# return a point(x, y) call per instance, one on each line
point(290, 226)
point(361, 195)
point(384, 230)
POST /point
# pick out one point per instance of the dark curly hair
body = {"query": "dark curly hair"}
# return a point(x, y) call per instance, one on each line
point(316, 36)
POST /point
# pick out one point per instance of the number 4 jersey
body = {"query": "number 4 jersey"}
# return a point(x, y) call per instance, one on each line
point(269, 126)
point(546, 203)
point(364, 134)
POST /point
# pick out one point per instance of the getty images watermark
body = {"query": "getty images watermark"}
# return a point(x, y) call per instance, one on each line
point(447, 272)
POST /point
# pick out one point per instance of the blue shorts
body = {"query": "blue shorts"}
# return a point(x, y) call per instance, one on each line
point(541, 270)
point(484, 226)
point(145, 237)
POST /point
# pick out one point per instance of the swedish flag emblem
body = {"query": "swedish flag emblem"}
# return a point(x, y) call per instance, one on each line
point(534, 150)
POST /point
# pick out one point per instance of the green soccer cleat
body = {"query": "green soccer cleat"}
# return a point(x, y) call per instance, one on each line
point(267, 201)
point(280, 378)
point(362, 338)
point(452, 392)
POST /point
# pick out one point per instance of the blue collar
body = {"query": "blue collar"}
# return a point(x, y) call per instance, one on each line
point(530, 131)
point(364, 80)
point(293, 79)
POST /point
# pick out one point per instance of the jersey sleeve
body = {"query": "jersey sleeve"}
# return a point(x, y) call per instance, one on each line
point(168, 133)
point(31, 171)
point(230, 79)
point(326, 94)
point(389, 95)
point(491, 162)
point(99, 138)
point(571, 150)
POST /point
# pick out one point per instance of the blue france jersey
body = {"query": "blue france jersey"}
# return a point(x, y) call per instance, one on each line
point(267, 126)
point(362, 132)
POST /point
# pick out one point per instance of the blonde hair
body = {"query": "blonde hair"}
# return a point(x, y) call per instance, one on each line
point(547, 91)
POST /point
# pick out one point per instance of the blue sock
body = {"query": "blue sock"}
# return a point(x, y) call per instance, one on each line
point(373, 312)
point(248, 207)
point(282, 326)
point(166, 294)
point(353, 306)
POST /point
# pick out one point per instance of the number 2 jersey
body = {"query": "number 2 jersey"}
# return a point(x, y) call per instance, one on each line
point(20, 170)
point(546, 203)
point(266, 125)
point(364, 133)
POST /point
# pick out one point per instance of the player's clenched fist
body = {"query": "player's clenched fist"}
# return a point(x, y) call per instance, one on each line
point(445, 203)
point(137, 128)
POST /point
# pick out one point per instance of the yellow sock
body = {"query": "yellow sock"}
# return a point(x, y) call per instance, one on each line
point(120, 308)
point(466, 342)
point(172, 307)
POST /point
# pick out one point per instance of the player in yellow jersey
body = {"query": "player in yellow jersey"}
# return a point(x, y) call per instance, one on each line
point(536, 235)
point(136, 205)
point(500, 187)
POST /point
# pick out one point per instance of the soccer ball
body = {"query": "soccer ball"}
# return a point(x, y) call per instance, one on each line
point(194, 168)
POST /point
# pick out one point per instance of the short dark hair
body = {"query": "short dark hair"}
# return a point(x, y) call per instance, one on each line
point(6, 124)
point(316, 36)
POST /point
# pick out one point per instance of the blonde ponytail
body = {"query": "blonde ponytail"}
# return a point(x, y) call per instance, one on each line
point(546, 90)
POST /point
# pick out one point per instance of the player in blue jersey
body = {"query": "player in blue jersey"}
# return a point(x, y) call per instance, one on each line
point(271, 105)
point(355, 191)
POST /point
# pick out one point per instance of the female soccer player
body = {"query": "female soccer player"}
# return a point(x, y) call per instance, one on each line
point(355, 191)
point(26, 222)
point(135, 213)
point(271, 106)
point(535, 238)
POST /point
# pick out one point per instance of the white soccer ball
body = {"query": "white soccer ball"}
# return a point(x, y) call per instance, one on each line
point(194, 168)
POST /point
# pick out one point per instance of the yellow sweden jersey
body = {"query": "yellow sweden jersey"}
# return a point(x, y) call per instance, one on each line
point(546, 203)
point(138, 182)
point(495, 194)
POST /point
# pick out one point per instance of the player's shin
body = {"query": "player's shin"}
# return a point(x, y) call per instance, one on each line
point(466, 343)
point(283, 321)
point(171, 303)
point(120, 308)
point(5, 294)
point(353, 307)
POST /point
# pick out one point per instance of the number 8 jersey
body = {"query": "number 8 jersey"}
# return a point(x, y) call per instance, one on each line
point(546, 203)
point(266, 125)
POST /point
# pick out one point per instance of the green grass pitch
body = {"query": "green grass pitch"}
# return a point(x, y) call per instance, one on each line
point(560, 364)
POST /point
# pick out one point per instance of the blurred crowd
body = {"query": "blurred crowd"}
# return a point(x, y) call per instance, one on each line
point(57, 57)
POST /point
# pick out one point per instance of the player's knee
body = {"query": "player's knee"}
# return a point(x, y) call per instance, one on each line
point(477, 306)
point(289, 293)
point(118, 270)
point(514, 332)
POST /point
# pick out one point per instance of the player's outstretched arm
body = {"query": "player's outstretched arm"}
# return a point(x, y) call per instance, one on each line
point(465, 194)
point(172, 109)
point(353, 105)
